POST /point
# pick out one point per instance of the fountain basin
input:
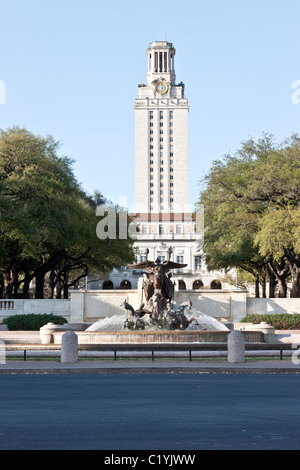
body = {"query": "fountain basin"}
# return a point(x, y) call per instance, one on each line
point(166, 337)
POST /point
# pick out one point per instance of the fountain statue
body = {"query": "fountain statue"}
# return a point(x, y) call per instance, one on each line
point(158, 290)
point(157, 310)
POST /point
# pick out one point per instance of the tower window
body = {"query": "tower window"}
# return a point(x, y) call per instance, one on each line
point(178, 229)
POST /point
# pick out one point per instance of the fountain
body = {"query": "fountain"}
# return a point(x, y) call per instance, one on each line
point(158, 319)
point(159, 312)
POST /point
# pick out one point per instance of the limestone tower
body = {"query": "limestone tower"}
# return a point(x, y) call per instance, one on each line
point(161, 136)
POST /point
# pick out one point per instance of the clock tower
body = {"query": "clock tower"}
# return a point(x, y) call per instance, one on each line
point(162, 211)
point(161, 137)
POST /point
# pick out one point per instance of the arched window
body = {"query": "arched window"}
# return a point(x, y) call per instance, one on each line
point(181, 285)
point(198, 284)
point(108, 285)
point(216, 285)
point(125, 284)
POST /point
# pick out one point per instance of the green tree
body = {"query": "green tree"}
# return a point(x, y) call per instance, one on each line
point(47, 219)
point(237, 193)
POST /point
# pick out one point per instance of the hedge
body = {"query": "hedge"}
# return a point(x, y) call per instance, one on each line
point(280, 321)
point(32, 321)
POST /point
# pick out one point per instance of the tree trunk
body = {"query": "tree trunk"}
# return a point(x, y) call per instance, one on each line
point(272, 282)
point(263, 285)
point(282, 288)
point(293, 260)
point(2, 287)
point(66, 291)
point(39, 286)
point(295, 290)
point(8, 285)
point(257, 286)
point(281, 272)
point(16, 284)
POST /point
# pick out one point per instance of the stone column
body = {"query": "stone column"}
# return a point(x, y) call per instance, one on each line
point(77, 313)
point(236, 347)
point(69, 347)
point(46, 333)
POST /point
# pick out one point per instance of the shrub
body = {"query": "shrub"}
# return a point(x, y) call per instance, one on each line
point(32, 321)
point(280, 321)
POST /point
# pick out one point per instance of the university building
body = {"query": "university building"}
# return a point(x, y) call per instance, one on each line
point(165, 215)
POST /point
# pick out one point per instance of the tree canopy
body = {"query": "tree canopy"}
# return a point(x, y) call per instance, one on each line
point(48, 222)
point(252, 202)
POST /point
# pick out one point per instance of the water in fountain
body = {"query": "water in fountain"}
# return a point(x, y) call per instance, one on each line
point(117, 322)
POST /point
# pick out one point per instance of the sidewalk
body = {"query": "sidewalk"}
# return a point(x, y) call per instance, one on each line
point(147, 366)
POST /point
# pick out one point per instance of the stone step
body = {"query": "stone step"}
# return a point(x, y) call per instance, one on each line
point(20, 337)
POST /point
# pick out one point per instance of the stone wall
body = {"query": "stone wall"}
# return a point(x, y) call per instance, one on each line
point(89, 306)
point(268, 306)
point(27, 306)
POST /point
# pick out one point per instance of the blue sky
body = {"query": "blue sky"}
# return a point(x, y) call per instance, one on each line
point(71, 69)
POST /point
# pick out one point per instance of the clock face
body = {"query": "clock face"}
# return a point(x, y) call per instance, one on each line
point(161, 87)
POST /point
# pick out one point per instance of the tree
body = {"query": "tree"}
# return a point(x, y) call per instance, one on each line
point(278, 238)
point(48, 222)
point(237, 193)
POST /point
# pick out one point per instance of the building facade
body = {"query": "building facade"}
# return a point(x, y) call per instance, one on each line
point(162, 205)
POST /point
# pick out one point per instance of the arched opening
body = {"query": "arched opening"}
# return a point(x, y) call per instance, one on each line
point(216, 285)
point(181, 285)
point(107, 285)
point(125, 284)
point(198, 284)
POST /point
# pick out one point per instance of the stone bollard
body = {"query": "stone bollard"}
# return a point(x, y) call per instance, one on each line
point(46, 333)
point(69, 347)
point(236, 347)
point(268, 332)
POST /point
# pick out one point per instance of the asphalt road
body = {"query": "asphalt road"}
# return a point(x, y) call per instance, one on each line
point(150, 412)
